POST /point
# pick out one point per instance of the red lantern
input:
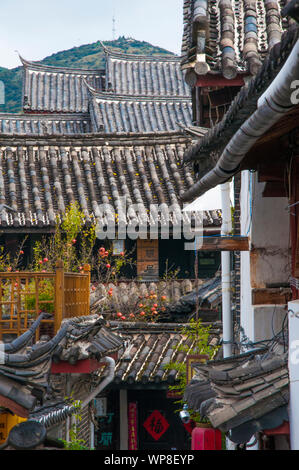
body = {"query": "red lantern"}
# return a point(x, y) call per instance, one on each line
point(206, 438)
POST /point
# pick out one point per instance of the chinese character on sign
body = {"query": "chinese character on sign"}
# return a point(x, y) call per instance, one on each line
point(107, 419)
point(132, 437)
point(156, 425)
point(110, 416)
point(106, 438)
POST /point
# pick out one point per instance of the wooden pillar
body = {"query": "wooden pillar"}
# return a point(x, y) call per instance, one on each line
point(123, 419)
point(86, 269)
point(59, 295)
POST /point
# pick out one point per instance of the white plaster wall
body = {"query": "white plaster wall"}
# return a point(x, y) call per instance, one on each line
point(270, 220)
point(270, 236)
point(246, 315)
point(268, 231)
point(268, 321)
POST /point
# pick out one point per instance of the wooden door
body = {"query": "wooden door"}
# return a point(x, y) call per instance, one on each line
point(155, 409)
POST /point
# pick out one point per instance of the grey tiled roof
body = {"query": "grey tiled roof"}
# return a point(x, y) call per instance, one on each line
point(209, 295)
point(57, 89)
point(142, 114)
point(244, 104)
point(40, 181)
point(241, 31)
point(88, 338)
point(237, 390)
point(138, 94)
point(130, 74)
point(180, 295)
point(45, 124)
point(150, 348)
point(24, 373)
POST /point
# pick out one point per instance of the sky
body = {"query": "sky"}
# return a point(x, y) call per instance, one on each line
point(38, 28)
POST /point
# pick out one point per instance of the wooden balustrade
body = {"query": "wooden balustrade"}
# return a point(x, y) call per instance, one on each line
point(23, 295)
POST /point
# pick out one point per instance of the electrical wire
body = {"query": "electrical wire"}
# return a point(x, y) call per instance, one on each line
point(279, 338)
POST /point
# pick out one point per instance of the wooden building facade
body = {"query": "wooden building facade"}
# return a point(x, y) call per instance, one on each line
point(256, 143)
point(96, 137)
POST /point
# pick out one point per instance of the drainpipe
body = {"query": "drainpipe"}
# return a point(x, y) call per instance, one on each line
point(55, 417)
point(226, 229)
point(226, 272)
point(109, 377)
point(293, 314)
point(92, 436)
point(271, 107)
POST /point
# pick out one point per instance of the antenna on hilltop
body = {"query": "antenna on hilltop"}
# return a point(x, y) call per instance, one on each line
point(113, 28)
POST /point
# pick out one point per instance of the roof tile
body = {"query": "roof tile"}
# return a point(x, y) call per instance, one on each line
point(86, 174)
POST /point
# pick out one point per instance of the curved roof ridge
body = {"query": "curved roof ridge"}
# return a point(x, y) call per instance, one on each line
point(43, 116)
point(124, 55)
point(55, 68)
point(108, 95)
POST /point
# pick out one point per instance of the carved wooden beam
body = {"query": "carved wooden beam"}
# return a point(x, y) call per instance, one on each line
point(225, 244)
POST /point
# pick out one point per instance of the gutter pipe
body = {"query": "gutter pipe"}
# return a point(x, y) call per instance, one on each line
point(226, 272)
point(57, 416)
point(271, 106)
point(109, 377)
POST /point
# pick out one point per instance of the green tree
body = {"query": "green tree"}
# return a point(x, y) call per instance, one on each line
point(196, 342)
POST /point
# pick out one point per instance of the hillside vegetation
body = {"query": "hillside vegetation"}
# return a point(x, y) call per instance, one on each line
point(90, 56)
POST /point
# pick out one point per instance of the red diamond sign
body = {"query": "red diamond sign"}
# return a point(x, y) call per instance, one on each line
point(156, 425)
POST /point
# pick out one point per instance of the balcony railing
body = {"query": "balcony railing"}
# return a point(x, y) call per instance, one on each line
point(23, 295)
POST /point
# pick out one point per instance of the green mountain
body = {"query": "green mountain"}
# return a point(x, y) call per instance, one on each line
point(90, 56)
